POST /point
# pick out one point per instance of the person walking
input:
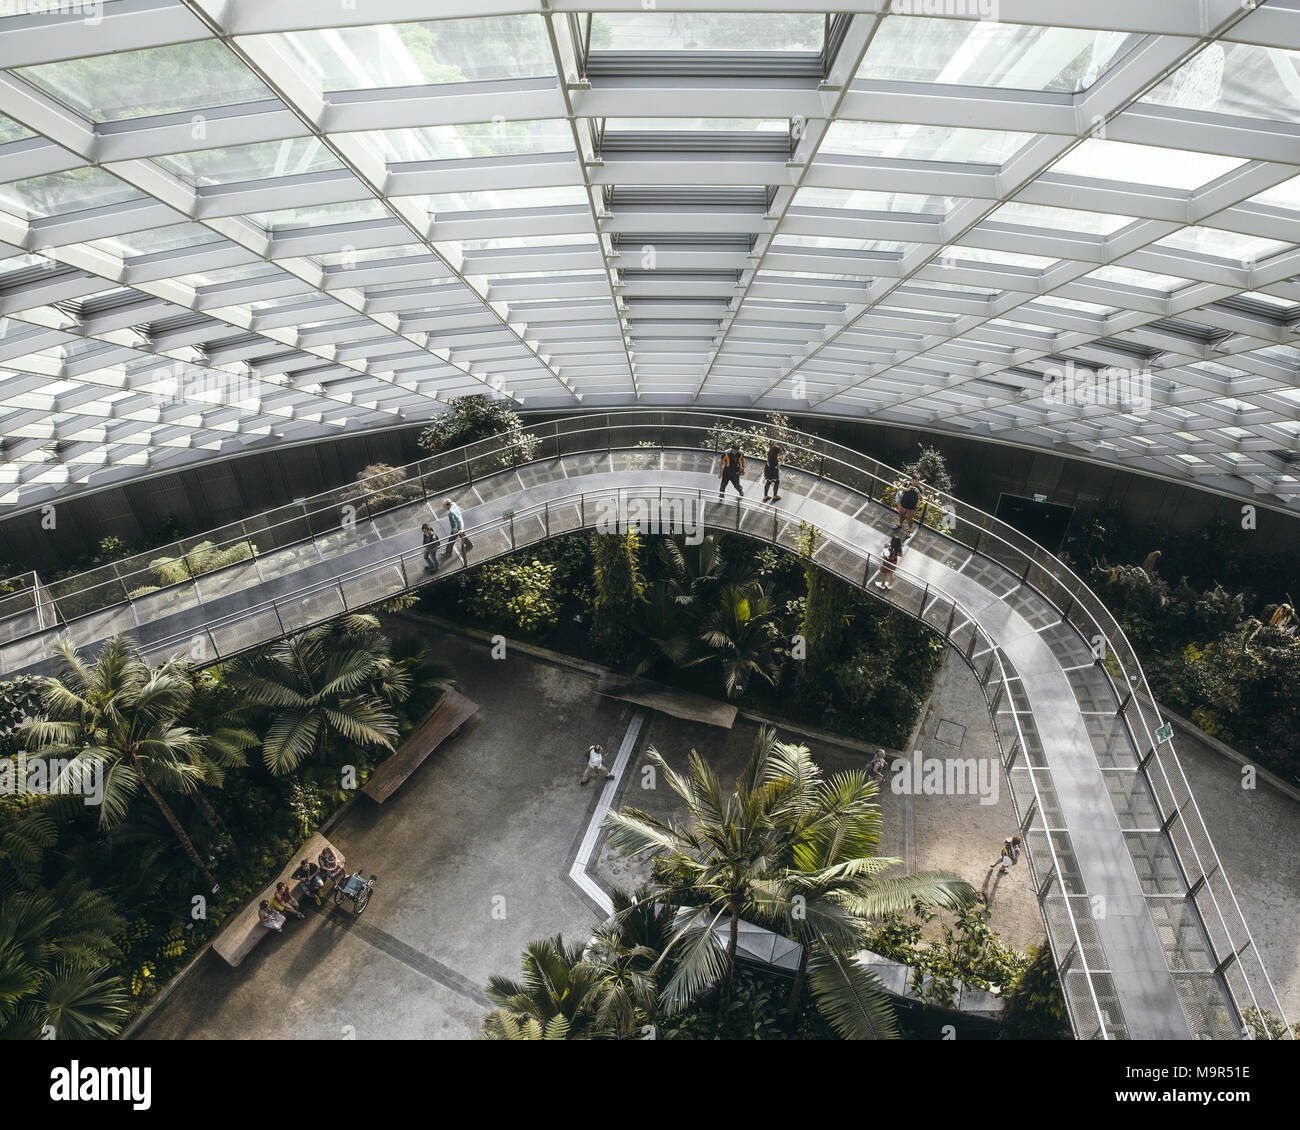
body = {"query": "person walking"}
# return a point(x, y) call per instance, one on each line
point(596, 765)
point(878, 766)
point(893, 551)
point(457, 538)
point(1010, 853)
point(772, 472)
point(730, 467)
point(430, 548)
point(909, 499)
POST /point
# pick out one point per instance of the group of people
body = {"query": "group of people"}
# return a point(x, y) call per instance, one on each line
point(456, 540)
point(274, 912)
point(732, 465)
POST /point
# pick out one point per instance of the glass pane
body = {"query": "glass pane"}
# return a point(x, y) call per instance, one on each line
point(861, 201)
point(485, 139)
point(10, 130)
point(156, 240)
point(1059, 219)
point(321, 215)
point(57, 194)
point(1223, 244)
point(985, 53)
point(157, 80)
point(514, 198)
point(1144, 164)
point(707, 125)
point(1240, 79)
point(922, 143)
point(291, 157)
point(1284, 195)
point(1145, 280)
point(416, 54)
point(706, 31)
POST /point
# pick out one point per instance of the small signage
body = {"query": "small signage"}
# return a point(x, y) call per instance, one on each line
point(1165, 732)
point(1040, 498)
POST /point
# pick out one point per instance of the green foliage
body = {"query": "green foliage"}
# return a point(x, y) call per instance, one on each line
point(1235, 675)
point(203, 558)
point(1035, 1008)
point(825, 612)
point(519, 594)
point(755, 439)
point(966, 951)
point(319, 689)
point(383, 487)
point(20, 700)
point(1268, 1025)
point(478, 417)
point(618, 590)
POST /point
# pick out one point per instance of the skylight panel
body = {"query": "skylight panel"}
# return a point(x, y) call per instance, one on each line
point(1125, 163)
point(987, 53)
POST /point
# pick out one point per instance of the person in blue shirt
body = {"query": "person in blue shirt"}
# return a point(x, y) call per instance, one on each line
point(456, 521)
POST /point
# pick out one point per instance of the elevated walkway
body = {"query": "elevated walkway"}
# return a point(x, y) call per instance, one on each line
point(1147, 935)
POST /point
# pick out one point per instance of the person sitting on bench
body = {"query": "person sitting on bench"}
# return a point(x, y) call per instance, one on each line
point(284, 902)
point(312, 880)
point(271, 919)
point(330, 867)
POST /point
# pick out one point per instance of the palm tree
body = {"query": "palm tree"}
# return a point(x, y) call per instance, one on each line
point(711, 867)
point(787, 849)
point(694, 571)
point(56, 955)
point(662, 635)
point(831, 884)
point(626, 949)
point(736, 636)
point(318, 687)
point(120, 718)
point(558, 988)
point(56, 946)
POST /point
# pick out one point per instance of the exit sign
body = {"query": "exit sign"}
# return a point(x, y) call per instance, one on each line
point(1040, 498)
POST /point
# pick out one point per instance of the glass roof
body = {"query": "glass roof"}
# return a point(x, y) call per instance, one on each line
point(878, 215)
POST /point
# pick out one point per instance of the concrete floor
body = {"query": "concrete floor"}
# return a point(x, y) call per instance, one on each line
point(473, 852)
point(929, 833)
point(1256, 833)
point(471, 855)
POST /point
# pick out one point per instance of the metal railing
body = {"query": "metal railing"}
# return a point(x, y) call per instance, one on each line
point(320, 518)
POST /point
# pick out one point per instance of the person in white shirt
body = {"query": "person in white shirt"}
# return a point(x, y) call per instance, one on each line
point(596, 765)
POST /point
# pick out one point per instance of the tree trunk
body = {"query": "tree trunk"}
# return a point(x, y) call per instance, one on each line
point(733, 943)
point(215, 822)
point(175, 824)
point(796, 990)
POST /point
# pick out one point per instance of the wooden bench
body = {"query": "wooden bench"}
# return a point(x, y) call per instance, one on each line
point(451, 714)
point(245, 930)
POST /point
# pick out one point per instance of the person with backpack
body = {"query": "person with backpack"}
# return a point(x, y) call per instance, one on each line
point(909, 499)
point(596, 765)
point(772, 472)
point(730, 467)
point(430, 548)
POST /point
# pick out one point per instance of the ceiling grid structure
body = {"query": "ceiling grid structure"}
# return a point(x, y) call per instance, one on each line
point(233, 224)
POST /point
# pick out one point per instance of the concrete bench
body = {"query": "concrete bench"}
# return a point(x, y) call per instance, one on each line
point(667, 700)
point(452, 713)
point(245, 930)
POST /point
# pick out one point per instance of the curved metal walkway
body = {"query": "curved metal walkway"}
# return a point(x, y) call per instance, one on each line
point(1147, 934)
